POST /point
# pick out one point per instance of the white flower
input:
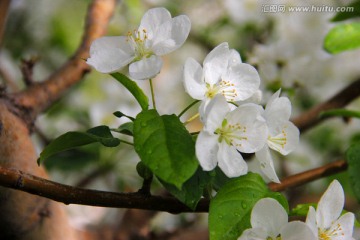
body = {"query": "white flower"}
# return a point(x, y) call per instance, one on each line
point(283, 134)
point(226, 132)
point(269, 221)
point(222, 73)
point(326, 222)
point(157, 35)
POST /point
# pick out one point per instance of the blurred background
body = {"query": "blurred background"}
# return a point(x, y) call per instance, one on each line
point(286, 48)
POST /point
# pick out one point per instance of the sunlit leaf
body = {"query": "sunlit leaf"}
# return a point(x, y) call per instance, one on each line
point(342, 38)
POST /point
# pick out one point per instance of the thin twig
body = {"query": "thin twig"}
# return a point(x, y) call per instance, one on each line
point(311, 117)
point(4, 8)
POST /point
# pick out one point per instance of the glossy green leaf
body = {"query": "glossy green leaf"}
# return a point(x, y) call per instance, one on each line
point(352, 11)
point(230, 209)
point(133, 89)
point(353, 160)
point(342, 38)
point(70, 140)
point(165, 146)
point(126, 128)
point(340, 113)
point(192, 190)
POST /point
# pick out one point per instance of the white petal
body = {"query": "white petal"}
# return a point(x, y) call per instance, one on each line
point(277, 109)
point(244, 80)
point(269, 214)
point(284, 137)
point(267, 164)
point(253, 133)
point(230, 161)
point(206, 150)
point(171, 35)
point(193, 79)
point(297, 230)
point(330, 205)
point(234, 58)
point(145, 68)
point(215, 63)
point(110, 54)
point(152, 19)
point(254, 234)
point(311, 220)
point(215, 112)
point(343, 227)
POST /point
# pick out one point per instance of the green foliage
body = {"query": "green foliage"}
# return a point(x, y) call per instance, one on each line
point(230, 210)
point(341, 16)
point(133, 89)
point(70, 140)
point(343, 37)
point(125, 128)
point(165, 146)
point(192, 190)
point(340, 113)
point(119, 114)
point(301, 210)
point(353, 160)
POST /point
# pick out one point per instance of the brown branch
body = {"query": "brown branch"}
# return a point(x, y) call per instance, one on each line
point(71, 195)
point(308, 176)
point(38, 97)
point(4, 7)
point(341, 99)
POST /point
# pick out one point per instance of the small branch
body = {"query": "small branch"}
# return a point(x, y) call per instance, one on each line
point(4, 8)
point(71, 195)
point(27, 67)
point(341, 99)
point(38, 97)
point(308, 176)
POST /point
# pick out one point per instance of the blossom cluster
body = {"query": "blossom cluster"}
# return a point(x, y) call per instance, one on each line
point(324, 223)
point(233, 120)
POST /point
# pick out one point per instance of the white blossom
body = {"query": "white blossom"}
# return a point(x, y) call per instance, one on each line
point(283, 135)
point(326, 221)
point(157, 35)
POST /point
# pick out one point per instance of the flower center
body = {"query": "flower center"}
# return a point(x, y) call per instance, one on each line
point(226, 88)
point(231, 133)
point(279, 141)
point(137, 39)
point(327, 234)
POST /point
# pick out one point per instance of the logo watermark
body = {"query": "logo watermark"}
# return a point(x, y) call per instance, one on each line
point(281, 8)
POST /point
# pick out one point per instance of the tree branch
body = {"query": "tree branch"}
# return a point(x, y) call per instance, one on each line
point(341, 99)
point(16, 179)
point(38, 97)
point(4, 7)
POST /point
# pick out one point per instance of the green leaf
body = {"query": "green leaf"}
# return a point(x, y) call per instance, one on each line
point(353, 160)
point(126, 128)
point(341, 113)
point(353, 11)
point(165, 146)
point(230, 209)
point(192, 190)
point(342, 38)
point(119, 114)
point(301, 210)
point(70, 140)
point(133, 89)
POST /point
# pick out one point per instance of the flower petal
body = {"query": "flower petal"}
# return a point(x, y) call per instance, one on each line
point(330, 205)
point(254, 234)
point(267, 164)
point(252, 133)
point(284, 137)
point(244, 82)
point(171, 35)
point(214, 113)
point(110, 54)
point(311, 220)
point(152, 19)
point(193, 79)
point(269, 214)
point(206, 150)
point(297, 230)
point(343, 227)
point(234, 58)
point(145, 68)
point(215, 63)
point(277, 109)
point(230, 161)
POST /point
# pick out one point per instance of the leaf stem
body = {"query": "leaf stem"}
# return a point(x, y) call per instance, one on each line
point(152, 93)
point(188, 107)
point(126, 142)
